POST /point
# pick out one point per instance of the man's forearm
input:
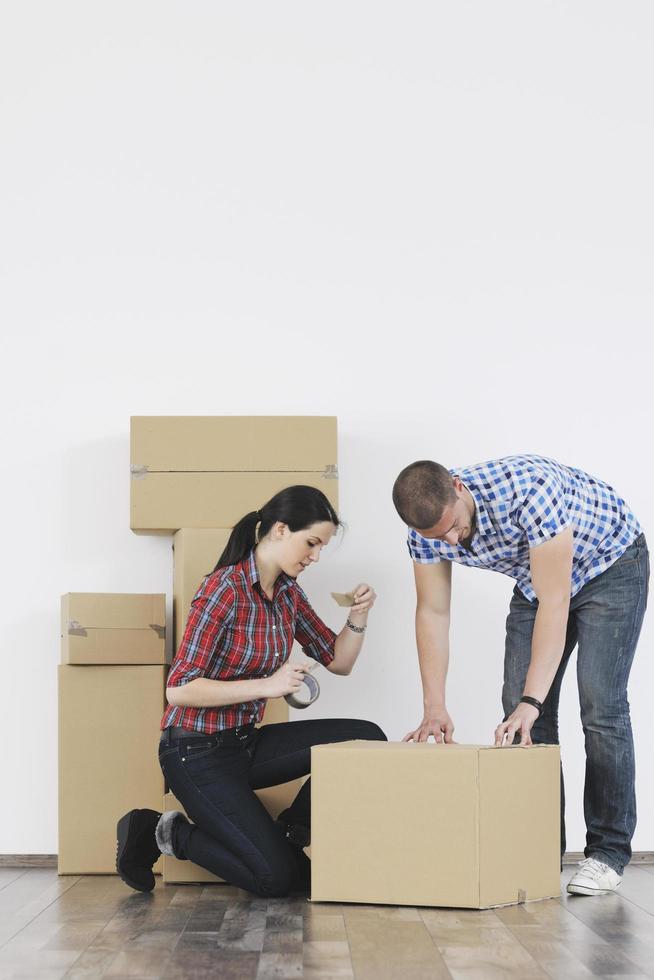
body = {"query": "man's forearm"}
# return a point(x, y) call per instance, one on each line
point(205, 693)
point(433, 641)
point(547, 645)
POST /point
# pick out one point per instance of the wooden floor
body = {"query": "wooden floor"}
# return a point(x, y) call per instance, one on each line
point(91, 927)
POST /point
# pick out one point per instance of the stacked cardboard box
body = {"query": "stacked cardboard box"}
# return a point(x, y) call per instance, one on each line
point(193, 477)
point(111, 698)
point(204, 471)
point(196, 477)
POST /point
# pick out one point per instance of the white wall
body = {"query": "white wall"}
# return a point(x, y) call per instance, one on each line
point(432, 219)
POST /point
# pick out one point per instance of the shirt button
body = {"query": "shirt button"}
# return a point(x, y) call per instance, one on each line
point(274, 627)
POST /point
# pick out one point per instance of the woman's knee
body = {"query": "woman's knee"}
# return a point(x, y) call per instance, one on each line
point(368, 731)
point(276, 883)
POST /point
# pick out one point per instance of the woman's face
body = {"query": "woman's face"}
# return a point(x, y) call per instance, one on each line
point(299, 549)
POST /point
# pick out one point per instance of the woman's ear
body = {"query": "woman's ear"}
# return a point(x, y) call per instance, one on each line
point(280, 530)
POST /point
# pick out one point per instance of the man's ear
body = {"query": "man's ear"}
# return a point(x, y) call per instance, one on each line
point(456, 483)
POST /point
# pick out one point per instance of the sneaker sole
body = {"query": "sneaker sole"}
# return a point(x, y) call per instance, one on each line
point(581, 890)
point(122, 832)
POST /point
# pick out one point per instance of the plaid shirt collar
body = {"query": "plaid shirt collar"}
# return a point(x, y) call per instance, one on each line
point(484, 524)
point(251, 573)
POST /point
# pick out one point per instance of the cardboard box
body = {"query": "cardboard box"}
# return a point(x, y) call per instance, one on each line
point(113, 628)
point(246, 443)
point(108, 739)
point(462, 826)
point(275, 799)
point(207, 472)
point(195, 553)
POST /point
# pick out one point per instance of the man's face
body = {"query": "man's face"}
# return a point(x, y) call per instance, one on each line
point(455, 524)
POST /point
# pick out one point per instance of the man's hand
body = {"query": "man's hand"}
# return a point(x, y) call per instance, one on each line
point(436, 722)
point(521, 721)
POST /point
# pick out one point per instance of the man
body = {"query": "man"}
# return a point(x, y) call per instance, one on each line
point(581, 566)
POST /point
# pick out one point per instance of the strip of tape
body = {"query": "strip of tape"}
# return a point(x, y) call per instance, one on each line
point(138, 472)
point(330, 472)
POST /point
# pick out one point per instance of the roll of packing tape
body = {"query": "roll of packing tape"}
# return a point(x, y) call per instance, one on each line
point(314, 692)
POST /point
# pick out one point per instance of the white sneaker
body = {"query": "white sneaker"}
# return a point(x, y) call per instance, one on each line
point(594, 878)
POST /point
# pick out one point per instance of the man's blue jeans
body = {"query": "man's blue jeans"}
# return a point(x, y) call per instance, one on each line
point(604, 621)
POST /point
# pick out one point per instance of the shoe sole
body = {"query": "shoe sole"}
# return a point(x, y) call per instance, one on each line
point(581, 890)
point(122, 832)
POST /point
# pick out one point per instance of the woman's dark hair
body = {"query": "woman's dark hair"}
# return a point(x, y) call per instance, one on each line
point(299, 507)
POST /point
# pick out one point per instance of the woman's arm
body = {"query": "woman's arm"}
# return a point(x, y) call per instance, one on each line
point(348, 642)
point(205, 693)
point(202, 692)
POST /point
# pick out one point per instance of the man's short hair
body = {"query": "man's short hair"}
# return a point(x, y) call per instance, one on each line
point(421, 493)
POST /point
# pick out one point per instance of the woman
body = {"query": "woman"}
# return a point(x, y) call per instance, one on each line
point(233, 656)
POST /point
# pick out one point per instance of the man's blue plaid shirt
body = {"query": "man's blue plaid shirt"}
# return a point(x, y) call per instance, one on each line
point(523, 501)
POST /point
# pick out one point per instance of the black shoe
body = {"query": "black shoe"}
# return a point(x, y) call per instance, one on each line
point(294, 833)
point(137, 851)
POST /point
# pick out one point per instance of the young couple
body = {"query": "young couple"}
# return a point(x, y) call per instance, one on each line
point(580, 562)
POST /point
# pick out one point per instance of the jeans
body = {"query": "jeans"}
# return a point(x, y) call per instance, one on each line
point(232, 834)
point(604, 621)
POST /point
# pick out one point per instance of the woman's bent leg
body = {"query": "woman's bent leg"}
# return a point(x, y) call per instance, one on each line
point(232, 835)
point(283, 752)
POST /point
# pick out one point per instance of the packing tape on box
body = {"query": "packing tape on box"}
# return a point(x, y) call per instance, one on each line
point(138, 472)
point(314, 692)
point(75, 628)
point(159, 630)
point(330, 472)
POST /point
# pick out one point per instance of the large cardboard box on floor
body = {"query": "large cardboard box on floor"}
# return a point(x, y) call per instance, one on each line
point(109, 720)
point(275, 799)
point(204, 471)
point(113, 628)
point(462, 826)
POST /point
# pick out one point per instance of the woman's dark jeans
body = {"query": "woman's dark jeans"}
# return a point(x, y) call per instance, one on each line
point(604, 620)
point(214, 778)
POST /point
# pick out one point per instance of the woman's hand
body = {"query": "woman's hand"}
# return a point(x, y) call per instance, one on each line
point(364, 599)
point(287, 680)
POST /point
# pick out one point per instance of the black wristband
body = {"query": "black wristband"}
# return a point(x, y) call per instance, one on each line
point(534, 702)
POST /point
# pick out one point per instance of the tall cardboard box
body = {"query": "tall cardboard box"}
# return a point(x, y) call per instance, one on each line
point(275, 799)
point(113, 628)
point(208, 471)
point(463, 826)
point(195, 553)
point(109, 720)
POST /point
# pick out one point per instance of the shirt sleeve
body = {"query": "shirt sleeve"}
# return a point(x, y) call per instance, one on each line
point(541, 511)
point(211, 613)
point(316, 639)
point(422, 549)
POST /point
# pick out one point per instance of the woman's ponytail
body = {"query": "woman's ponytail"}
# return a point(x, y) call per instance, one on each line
point(298, 507)
point(241, 541)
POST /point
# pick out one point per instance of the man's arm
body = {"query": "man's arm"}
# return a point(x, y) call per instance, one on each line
point(433, 594)
point(551, 575)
